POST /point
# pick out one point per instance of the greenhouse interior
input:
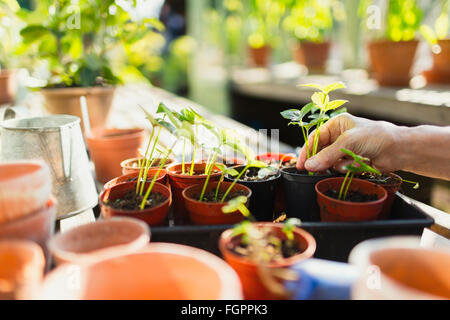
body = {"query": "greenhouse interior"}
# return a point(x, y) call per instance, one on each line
point(224, 150)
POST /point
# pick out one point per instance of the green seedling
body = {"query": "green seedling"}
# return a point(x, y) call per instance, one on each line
point(441, 28)
point(358, 166)
point(317, 111)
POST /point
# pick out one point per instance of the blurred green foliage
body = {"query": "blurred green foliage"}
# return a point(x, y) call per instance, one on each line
point(441, 25)
point(9, 33)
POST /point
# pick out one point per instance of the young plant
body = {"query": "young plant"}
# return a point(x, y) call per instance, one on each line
point(321, 103)
point(261, 244)
point(358, 166)
point(441, 28)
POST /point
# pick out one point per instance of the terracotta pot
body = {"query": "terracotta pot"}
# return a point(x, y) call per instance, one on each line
point(249, 272)
point(211, 212)
point(404, 271)
point(152, 216)
point(440, 72)
point(67, 101)
point(392, 61)
point(99, 240)
point(337, 210)
point(162, 177)
point(391, 190)
point(21, 269)
point(8, 86)
point(312, 55)
point(131, 165)
point(37, 226)
point(260, 57)
point(280, 204)
point(25, 187)
point(109, 147)
point(179, 182)
point(162, 271)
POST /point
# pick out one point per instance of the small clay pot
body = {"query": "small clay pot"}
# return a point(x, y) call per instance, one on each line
point(211, 212)
point(162, 177)
point(249, 272)
point(152, 216)
point(392, 61)
point(440, 72)
point(179, 182)
point(38, 226)
point(109, 147)
point(161, 271)
point(312, 55)
point(8, 86)
point(99, 240)
point(391, 190)
point(21, 269)
point(24, 188)
point(260, 57)
point(131, 165)
point(337, 210)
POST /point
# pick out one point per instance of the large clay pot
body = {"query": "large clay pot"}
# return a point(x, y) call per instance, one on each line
point(260, 57)
point(99, 240)
point(249, 271)
point(440, 72)
point(312, 55)
point(332, 209)
point(179, 182)
point(37, 226)
point(162, 271)
point(398, 268)
point(211, 212)
point(152, 216)
point(109, 147)
point(21, 269)
point(67, 101)
point(8, 86)
point(392, 61)
point(25, 187)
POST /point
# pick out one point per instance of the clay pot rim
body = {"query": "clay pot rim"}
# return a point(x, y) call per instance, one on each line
point(162, 204)
point(226, 237)
point(49, 205)
point(212, 184)
point(128, 134)
point(349, 203)
point(102, 253)
point(390, 185)
point(176, 174)
point(76, 90)
point(274, 177)
point(231, 287)
point(126, 163)
point(69, 122)
point(6, 73)
point(108, 184)
point(386, 41)
point(39, 167)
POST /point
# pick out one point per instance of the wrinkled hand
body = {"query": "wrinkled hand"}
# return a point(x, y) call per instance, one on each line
point(372, 139)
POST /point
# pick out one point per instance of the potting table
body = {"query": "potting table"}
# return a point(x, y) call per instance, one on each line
point(126, 113)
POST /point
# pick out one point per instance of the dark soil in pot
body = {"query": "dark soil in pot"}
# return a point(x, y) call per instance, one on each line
point(211, 195)
point(262, 202)
point(355, 196)
point(300, 195)
point(288, 249)
point(132, 201)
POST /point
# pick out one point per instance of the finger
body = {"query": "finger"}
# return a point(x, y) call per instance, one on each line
point(341, 164)
point(301, 159)
point(327, 157)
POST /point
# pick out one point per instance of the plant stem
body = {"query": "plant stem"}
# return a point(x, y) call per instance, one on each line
point(234, 182)
point(305, 136)
point(208, 176)
point(343, 184)
point(191, 171)
point(148, 163)
point(348, 186)
point(141, 170)
point(184, 154)
point(218, 185)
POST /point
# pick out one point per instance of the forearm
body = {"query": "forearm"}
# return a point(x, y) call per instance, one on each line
point(424, 150)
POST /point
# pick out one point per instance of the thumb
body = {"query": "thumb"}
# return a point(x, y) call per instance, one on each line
point(326, 158)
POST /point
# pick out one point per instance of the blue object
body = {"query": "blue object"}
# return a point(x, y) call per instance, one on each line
point(322, 280)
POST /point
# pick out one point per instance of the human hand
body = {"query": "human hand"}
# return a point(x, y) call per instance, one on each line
point(372, 139)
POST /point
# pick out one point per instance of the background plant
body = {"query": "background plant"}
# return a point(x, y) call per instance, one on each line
point(9, 33)
point(86, 42)
point(439, 31)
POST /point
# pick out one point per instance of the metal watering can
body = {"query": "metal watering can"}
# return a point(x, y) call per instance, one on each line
point(58, 141)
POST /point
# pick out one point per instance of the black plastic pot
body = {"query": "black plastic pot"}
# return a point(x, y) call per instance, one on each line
point(300, 195)
point(262, 201)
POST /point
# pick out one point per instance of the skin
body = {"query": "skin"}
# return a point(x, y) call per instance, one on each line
point(424, 150)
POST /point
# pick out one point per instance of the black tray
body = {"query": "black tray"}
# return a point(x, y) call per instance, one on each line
point(334, 240)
